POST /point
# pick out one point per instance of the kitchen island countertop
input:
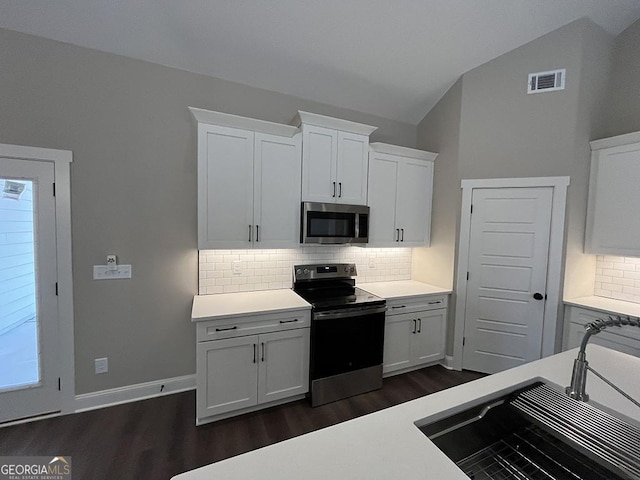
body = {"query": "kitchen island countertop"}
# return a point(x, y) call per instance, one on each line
point(387, 444)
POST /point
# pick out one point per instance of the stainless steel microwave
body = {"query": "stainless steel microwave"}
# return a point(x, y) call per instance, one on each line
point(334, 223)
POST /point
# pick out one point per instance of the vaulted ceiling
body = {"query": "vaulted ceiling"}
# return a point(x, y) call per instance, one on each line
point(391, 58)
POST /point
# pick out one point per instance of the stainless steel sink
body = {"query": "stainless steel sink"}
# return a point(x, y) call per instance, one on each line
point(538, 432)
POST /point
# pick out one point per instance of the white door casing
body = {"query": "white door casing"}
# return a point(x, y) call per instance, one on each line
point(558, 187)
point(508, 249)
point(56, 391)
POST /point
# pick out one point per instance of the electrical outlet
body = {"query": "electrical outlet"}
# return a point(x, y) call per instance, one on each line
point(101, 365)
point(236, 267)
point(372, 262)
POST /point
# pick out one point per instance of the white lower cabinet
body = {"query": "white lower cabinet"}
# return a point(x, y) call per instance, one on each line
point(415, 338)
point(622, 339)
point(244, 373)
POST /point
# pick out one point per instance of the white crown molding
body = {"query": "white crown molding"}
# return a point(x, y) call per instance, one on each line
point(306, 118)
point(617, 141)
point(402, 151)
point(133, 393)
point(235, 121)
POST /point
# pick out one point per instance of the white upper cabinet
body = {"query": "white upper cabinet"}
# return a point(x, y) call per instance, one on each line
point(334, 159)
point(400, 190)
point(249, 175)
point(613, 222)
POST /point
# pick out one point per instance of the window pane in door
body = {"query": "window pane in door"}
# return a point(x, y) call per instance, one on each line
point(19, 356)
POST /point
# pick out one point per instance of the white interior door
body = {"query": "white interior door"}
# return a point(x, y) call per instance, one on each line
point(29, 328)
point(508, 258)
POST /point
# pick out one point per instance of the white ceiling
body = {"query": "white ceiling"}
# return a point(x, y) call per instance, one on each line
point(391, 58)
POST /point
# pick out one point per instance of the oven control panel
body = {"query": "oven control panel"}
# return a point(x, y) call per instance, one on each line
point(328, 271)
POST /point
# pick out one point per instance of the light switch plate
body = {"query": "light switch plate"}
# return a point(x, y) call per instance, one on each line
point(102, 272)
point(101, 365)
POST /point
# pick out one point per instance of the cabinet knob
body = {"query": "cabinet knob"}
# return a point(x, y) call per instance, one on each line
point(538, 296)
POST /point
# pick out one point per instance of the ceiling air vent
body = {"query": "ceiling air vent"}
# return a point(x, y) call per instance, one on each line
point(546, 81)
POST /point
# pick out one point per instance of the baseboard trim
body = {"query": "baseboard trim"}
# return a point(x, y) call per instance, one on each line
point(447, 362)
point(132, 393)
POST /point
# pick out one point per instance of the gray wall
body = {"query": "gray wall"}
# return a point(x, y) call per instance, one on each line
point(623, 114)
point(133, 183)
point(504, 132)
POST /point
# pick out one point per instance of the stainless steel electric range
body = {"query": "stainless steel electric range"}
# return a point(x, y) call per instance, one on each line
point(347, 332)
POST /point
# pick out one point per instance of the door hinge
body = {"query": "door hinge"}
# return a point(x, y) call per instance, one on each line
point(54, 189)
point(59, 384)
point(56, 289)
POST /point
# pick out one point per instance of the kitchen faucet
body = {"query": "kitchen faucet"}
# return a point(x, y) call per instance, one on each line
point(577, 389)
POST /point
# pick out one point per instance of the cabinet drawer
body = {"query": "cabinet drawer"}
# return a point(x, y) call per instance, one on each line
point(252, 325)
point(415, 304)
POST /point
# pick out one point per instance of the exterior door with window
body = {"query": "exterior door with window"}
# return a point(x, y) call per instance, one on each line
point(29, 323)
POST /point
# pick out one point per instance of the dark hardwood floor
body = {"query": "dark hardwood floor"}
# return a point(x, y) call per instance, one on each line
point(157, 438)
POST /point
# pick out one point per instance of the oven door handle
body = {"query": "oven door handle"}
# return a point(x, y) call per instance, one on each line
point(348, 312)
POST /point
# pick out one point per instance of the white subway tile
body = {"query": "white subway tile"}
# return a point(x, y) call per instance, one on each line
point(214, 290)
point(623, 281)
point(612, 273)
point(231, 288)
point(614, 259)
point(624, 266)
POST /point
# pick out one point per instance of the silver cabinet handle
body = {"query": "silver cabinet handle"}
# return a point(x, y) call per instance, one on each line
point(419, 325)
point(402, 238)
point(334, 189)
point(250, 232)
point(262, 345)
point(397, 234)
point(257, 233)
point(340, 189)
point(415, 325)
point(289, 321)
point(254, 353)
point(226, 329)
point(399, 306)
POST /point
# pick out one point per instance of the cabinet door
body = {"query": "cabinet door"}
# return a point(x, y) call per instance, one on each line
point(352, 166)
point(283, 364)
point(227, 375)
point(413, 211)
point(427, 345)
point(225, 187)
point(277, 178)
point(319, 156)
point(383, 177)
point(397, 342)
point(613, 223)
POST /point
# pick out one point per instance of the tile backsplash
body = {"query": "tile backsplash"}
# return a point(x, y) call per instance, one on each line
point(618, 277)
point(272, 269)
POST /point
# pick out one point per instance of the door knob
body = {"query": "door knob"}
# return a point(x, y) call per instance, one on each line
point(538, 296)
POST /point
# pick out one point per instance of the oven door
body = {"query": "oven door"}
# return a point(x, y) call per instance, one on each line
point(346, 340)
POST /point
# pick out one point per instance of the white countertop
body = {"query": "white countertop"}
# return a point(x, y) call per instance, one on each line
point(402, 288)
point(606, 305)
point(212, 307)
point(387, 445)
